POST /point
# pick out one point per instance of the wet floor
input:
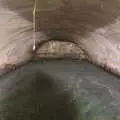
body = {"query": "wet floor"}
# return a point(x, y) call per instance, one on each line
point(94, 93)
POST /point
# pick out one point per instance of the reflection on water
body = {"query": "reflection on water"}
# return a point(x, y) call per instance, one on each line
point(70, 90)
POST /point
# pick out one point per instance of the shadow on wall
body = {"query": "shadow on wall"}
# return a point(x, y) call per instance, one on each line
point(23, 7)
point(33, 95)
point(82, 17)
